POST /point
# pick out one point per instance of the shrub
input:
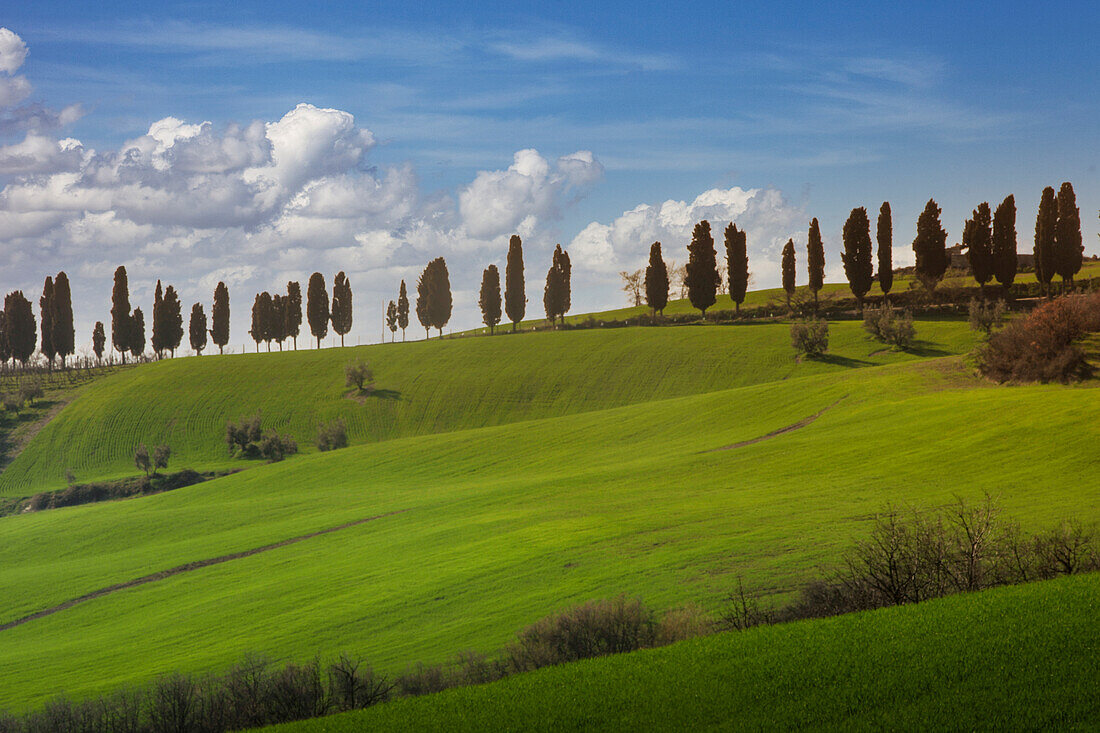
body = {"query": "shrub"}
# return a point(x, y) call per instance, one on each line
point(275, 447)
point(332, 435)
point(986, 315)
point(358, 374)
point(161, 454)
point(810, 337)
point(1039, 348)
point(241, 435)
point(684, 622)
point(355, 685)
point(12, 402)
point(424, 680)
point(888, 326)
point(31, 391)
point(142, 460)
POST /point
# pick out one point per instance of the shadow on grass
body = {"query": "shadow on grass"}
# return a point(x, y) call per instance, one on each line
point(837, 360)
point(386, 394)
point(927, 349)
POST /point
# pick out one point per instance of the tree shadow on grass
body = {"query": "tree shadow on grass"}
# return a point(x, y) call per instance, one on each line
point(386, 394)
point(927, 350)
point(837, 360)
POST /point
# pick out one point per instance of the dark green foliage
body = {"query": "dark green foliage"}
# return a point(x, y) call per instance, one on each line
point(788, 267)
point(489, 298)
point(64, 333)
point(317, 307)
point(1046, 225)
point(737, 263)
point(332, 435)
point(293, 311)
point(137, 333)
point(196, 329)
point(263, 315)
point(555, 297)
point(46, 309)
point(515, 297)
point(99, 340)
point(810, 337)
point(857, 253)
point(157, 339)
point(815, 259)
point(978, 242)
point(1005, 261)
point(403, 309)
point(120, 313)
point(885, 236)
point(433, 296)
point(275, 447)
point(930, 246)
point(219, 317)
point(391, 319)
point(1068, 248)
point(656, 280)
point(239, 435)
point(20, 326)
point(5, 346)
point(886, 325)
point(278, 325)
point(172, 315)
point(77, 494)
point(341, 314)
point(358, 374)
point(702, 268)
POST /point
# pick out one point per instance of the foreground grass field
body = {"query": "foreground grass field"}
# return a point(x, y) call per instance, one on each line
point(497, 526)
point(1019, 658)
point(423, 388)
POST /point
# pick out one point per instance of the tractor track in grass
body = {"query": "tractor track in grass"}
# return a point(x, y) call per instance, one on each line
point(776, 433)
point(188, 567)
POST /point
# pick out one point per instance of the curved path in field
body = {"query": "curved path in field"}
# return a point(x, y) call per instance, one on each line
point(776, 433)
point(197, 565)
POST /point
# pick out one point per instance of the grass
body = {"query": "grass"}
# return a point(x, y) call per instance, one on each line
point(423, 388)
point(1018, 658)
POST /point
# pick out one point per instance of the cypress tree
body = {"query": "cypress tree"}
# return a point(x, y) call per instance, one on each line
point(99, 341)
point(515, 296)
point(565, 267)
point(341, 305)
point(978, 242)
point(137, 333)
point(5, 347)
point(403, 309)
point(159, 340)
point(1046, 223)
point(173, 320)
point(656, 280)
point(857, 253)
point(815, 259)
point(219, 317)
point(197, 329)
point(555, 297)
point(257, 330)
point(788, 267)
point(441, 294)
point(884, 233)
point(930, 246)
point(64, 334)
point(46, 309)
point(423, 299)
point(737, 264)
point(277, 325)
point(489, 298)
point(1068, 247)
point(293, 311)
point(1005, 260)
point(702, 268)
point(317, 307)
point(263, 317)
point(20, 326)
point(391, 319)
point(120, 313)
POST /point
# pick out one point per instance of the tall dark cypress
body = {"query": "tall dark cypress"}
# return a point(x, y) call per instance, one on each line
point(341, 305)
point(489, 298)
point(46, 309)
point(737, 263)
point(702, 268)
point(424, 288)
point(19, 326)
point(293, 311)
point(5, 347)
point(561, 261)
point(1005, 259)
point(261, 320)
point(555, 297)
point(403, 309)
point(219, 317)
point(173, 320)
point(277, 326)
point(978, 242)
point(441, 295)
point(1068, 247)
point(884, 234)
point(391, 319)
point(930, 246)
point(656, 280)
point(120, 313)
point(99, 341)
point(857, 253)
point(196, 329)
point(137, 333)
point(815, 259)
point(788, 267)
point(1046, 224)
point(317, 307)
point(159, 337)
point(64, 333)
point(515, 296)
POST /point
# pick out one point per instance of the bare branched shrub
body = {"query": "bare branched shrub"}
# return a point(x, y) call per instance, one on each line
point(1040, 348)
point(296, 693)
point(354, 685)
point(424, 679)
point(743, 611)
point(174, 704)
point(683, 622)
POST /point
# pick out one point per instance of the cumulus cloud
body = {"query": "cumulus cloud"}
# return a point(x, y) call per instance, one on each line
point(16, 117)
point(13, 51)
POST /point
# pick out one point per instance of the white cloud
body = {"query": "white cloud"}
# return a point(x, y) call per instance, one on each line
point(13, 51)
point(41, 154)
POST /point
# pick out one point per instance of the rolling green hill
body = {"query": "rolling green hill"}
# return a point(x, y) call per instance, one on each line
point(1020, 658)
point(478, 532)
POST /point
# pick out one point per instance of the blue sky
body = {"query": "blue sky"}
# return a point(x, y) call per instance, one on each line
point(822, 107)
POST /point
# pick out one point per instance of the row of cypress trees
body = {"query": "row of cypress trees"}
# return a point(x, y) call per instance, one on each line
point(19, 331)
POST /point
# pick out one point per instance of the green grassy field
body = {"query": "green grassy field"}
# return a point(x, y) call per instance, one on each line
point(1019, 658)
point(501, 524)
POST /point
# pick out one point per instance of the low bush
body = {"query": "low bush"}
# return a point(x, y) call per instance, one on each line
point(275, 447)
point(985, 315)
point(810, 337)
point(1040, 348)
point(31, 391)
point(890, 327)
point(242, 435)
point(359, 375)
point(332, 435)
